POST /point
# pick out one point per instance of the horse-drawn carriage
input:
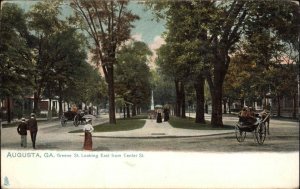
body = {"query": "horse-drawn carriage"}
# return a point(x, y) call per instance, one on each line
point(77, 118)
point(259, 129)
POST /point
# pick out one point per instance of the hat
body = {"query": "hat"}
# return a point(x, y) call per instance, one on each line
point(32, 114)
point(23, 119)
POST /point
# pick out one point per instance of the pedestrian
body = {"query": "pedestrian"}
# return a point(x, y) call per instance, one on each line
point(88, 129)
point(166, 114)
point(159, 116)
point(22, 130)
point(33, 128)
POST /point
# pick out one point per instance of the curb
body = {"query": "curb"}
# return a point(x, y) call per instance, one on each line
point(160, 137)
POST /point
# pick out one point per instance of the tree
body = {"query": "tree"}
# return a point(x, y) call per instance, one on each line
point(222, 25)
point(44, 21)
point(66, 53)
point(133, 75)
point(170, 65)
point(184, 34)
point(108, 23)
point(15, 56)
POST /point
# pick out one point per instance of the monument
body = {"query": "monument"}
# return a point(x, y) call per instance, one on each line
point(152, 101)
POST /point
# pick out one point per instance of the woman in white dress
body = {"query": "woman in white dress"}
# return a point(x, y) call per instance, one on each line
point(88, 129)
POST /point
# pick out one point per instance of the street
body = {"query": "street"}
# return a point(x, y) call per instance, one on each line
point(284, 137)
point(197, 161)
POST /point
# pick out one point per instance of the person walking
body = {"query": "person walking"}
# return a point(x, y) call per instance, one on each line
point(33, 128)
point(22, 130)
point(88, 129)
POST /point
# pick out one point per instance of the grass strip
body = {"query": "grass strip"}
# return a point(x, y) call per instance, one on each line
point(189, 123)
point(121, 125)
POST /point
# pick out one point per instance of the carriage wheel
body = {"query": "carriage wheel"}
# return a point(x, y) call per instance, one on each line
point(63, 121)
point(240, 135)
point(260, 133)
point(76, 121)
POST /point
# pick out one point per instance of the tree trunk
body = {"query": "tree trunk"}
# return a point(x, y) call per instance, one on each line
point(111, 95)
point(133, 110)
point(182, 91)
point(242, 102)
point(294, 106)
point(216, 90)
point(206, 107)
point(224, 106)
point(49, 109)
point(278, 106)
point(124, 110)
point(229, 106)
point(8, 109)
point(128, 111)
point(199, 88)
point(60, 105)
point(178, 99)
point(36, 97)
point(216, 115)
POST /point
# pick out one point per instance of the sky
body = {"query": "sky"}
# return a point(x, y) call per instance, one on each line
point(146, 29)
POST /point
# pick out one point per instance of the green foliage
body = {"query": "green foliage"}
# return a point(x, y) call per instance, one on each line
point(132, 74)
point(189, 123)
point(164, 89)
point(205, 35)
point(85, 86)
point(121, 125)
point(109, 24)
point(15, 58)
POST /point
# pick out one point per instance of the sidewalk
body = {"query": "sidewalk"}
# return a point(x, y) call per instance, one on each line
point(152, 129)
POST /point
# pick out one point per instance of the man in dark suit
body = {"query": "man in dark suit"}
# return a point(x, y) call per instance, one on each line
point(33, 128)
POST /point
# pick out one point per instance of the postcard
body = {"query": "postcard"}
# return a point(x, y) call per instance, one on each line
point(149, 94)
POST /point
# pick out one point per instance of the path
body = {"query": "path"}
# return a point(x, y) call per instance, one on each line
point(152, 129)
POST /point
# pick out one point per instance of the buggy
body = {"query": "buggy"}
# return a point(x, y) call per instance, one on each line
point(77, 118)
point(258, 129)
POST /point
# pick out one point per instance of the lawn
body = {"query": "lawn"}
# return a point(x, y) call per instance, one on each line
point(189, 123)
point(122, 125)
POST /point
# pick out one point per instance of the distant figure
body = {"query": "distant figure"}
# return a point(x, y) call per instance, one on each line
point(88, 129)
point(22, 130)
point(166, 114)
point(33, 128)
point(159, 116)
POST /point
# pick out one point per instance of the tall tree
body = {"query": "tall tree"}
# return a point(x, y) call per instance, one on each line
point(15, 56)
point(175, 68)
point(223, 24)
point(66, 52)
point(108, 23)
point(133, 75)
point(44, 20)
